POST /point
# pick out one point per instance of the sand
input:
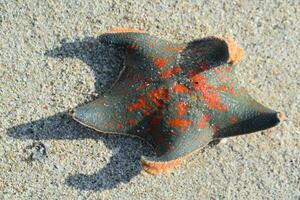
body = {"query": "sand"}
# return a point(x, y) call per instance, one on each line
point(51, 62)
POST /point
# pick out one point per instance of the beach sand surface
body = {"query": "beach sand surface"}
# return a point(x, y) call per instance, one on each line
point(51, 62)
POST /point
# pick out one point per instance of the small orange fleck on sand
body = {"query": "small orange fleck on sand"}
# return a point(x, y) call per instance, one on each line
point(274, 71)
point(45, 106)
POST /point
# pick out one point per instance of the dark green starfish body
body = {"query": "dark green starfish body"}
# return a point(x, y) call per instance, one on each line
point(177, 97)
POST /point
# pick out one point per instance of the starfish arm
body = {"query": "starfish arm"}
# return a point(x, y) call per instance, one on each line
point(124, 39)
point(176, 134)
point(179, 150)
point(231, 109)
point(155, 58)
point(107, 114)
point(207, 53)
point(243, 115)
point(202, 114)
point(115, 114)
point(250, 122)
point(143, 42)
point(126, 108)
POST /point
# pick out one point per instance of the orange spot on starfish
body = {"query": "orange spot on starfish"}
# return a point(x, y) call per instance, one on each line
point(222, 75)
point(202, 122)
point(180, 123)
point(181, 107)
point(132, 46)
point(119, 125)
point(223, 88)
point(158, 95)
point(140, 104)
point(228, 69)
point(145, 83)
point(232, 119)
point(178, 88)
point(199, 82)
point(106, 125)
point(132, 122)
point(169, 72)
point(151, 45)
point(170, 58)
point(160, 62)
point(222, 108)
point(217, 71)
point(208, 93)
point(141, 87)
point(233, 92)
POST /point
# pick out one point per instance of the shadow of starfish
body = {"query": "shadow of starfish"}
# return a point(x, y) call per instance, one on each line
point(96, 55)
point(124, 164)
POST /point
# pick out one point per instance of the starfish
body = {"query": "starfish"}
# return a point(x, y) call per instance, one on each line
point(177, 97)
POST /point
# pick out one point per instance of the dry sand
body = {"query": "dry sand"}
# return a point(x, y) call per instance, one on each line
point(50, 62)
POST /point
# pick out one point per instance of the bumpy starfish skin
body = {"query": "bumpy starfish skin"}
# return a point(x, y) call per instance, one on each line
point(177, 97)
